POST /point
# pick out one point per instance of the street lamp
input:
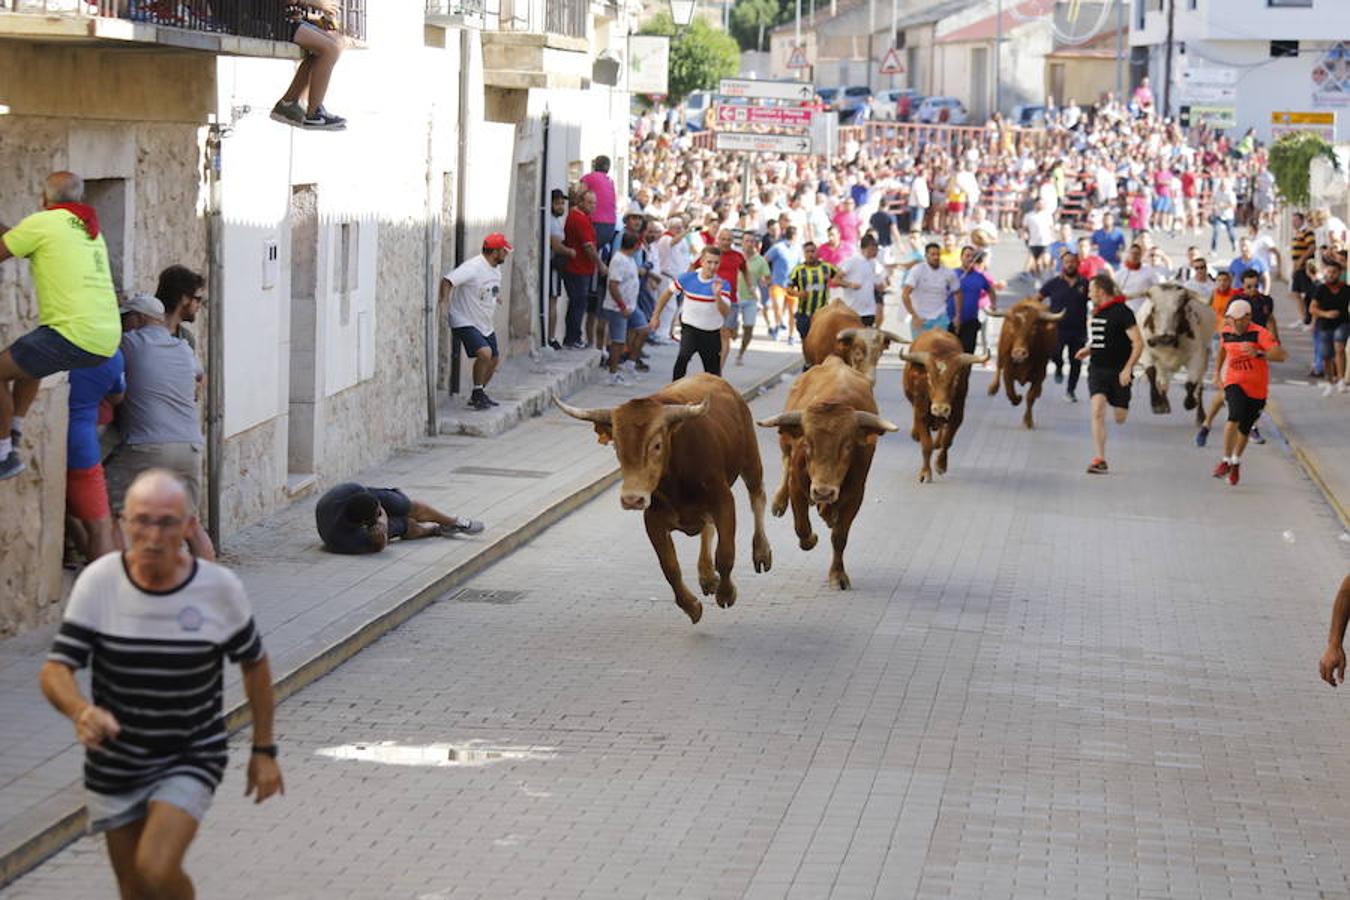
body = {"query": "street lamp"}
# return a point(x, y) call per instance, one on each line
point(682, 12)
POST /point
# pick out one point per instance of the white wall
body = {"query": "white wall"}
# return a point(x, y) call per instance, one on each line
point(1242, 20)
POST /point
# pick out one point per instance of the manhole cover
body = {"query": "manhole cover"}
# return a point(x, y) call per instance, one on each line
point(499, 473)
point(501, 598)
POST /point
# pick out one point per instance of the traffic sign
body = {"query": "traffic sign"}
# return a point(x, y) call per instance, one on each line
point(766, 90)
point(763, 143)
point(785, 116)
point(1213, 116)
point(798, 59)
point(1208, 93)
point(891, 64)
point(1322, 124)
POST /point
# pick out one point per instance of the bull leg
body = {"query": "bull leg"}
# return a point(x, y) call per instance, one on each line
point(780, 497)
point(658, 533)
point(1033, 393)
point(944, 443)
point(1011, 386)
point(1190, 401)
point(844, 516)
point(997, 377)
point(1200, 403)
point(926, 446)
point(1157, 393)
point(760, 551)
point(801, 511)
point(725, 517)
point(707, 578)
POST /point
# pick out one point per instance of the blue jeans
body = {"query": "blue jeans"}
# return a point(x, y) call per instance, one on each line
point(1214, 223)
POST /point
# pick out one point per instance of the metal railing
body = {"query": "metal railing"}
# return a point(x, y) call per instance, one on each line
point(265, 19)
point(565, 17)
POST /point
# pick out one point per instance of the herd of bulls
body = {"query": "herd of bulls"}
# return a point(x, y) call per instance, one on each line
point(682, 448)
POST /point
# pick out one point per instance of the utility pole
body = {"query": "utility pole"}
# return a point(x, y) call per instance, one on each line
point(797, 39)
point(871, 32)
point(895, 37)
point(1120, 49)
point(1167, 63)
point(998, 57)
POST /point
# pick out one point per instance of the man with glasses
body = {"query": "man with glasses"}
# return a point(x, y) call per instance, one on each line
point(183, 293)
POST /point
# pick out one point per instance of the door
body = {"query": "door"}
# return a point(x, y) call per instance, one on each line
point(980, 86)
point(1057, 83)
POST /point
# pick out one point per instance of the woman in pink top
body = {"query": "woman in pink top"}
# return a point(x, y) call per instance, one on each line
point(847, 222)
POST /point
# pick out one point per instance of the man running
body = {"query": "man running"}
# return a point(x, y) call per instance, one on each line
point(1067, 292)
point(1114, 349)
point(1244, 375)
point(754, 277)
point(809, 286)
point(783, 257)
point(1263, 314)
point(963, 306)
point(703, 309)
point(927, 287)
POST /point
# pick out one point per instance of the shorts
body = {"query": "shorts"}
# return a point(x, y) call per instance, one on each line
point(474, 340)
point(1163, 205)
point(957, 208)
point(1242, 410)
point(87, 494)
point(938, 323)
point(396, 506)
point(741, 311)
point(44, 351)
point(130, 460)
point(1036, 250)
point(555, 282)
point(108, 811)
point(803, 321)
point(1327, 338)
point(1107, 382)
point(618, 324)
point(778, 294)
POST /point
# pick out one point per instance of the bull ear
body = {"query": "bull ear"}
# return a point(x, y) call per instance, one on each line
point(604, 433)
point(1148, 320)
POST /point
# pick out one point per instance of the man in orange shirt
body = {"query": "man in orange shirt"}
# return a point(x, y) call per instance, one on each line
point(1219, 300)
point(1244, 373)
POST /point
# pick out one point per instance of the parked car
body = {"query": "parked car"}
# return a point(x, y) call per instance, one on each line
point(941, 110)
point(897, 104)
point(828, 95)
point(696, 107)
point(1028, 115)
point(851, 99)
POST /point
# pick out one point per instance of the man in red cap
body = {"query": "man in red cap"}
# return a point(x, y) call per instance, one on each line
point(473, 291)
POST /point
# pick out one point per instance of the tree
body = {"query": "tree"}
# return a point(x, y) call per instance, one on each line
point(751, 18)
point(700, 55)
point(1291, 158)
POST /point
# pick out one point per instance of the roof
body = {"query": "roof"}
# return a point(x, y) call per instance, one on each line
point(986, 29)
point(935, 12)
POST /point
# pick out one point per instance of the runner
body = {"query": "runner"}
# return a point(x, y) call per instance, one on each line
point(753, 277)
point(703, 309)
point(1243, 351)
point(927, 287)
point(782, 257)
point(1114, 349)
point(1329, 311)
point(809, 285)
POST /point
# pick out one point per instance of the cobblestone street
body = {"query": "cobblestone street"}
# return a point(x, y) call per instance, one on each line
point(1042, 684)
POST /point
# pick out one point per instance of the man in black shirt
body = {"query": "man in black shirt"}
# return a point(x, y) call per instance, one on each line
point(1114, 348)
point(1067, 292)
point(1263, 305)
point(352, 518)
point(1329, 310)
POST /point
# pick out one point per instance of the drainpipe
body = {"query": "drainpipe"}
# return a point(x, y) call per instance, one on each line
point(545, 210)
point(431, 239)
point(215, 346)
point(461, 161)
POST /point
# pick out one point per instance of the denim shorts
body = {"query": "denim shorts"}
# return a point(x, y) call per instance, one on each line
point(43, 351)
point(938, 323)
point(618, 324)
point(1328, 338)
point(474, 340)
point(109, 811)
point(741, 311)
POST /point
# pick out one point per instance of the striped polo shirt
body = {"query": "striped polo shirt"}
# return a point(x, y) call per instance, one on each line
point(814, 281)
point(699, 309)
point(157, 660)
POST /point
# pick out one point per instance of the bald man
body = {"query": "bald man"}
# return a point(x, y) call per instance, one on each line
point(156, 624)
point(77, 306)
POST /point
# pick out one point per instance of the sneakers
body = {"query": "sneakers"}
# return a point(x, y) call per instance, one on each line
point(1341, 388)
point(1070, 397)
point(480, 400)
point(641, 366)
point(555, 345)
point(292, 114)
point(11, 465)
point(1059, 378)
point(1328, 389)
point(1234, 472)
point(1097, 467)
point(575, 345)
point(462, 526)
point(1256, 437)
point(617, 379)
point(1202, 436)
point(1222, 468)
point(323, 120)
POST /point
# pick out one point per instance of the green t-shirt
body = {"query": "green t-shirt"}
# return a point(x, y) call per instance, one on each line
point(757, 270)
point(73, 281)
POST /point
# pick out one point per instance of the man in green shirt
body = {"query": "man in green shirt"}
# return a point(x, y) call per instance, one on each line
point(77, 306)
point(754, 279)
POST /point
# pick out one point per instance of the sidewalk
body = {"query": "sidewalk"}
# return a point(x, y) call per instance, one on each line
point(317, 609)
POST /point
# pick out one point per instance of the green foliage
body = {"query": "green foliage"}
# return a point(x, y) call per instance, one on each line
point(751, 21)
point(700, 55)
point(1290, 158)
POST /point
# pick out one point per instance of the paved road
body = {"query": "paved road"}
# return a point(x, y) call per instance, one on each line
point(1043, 684)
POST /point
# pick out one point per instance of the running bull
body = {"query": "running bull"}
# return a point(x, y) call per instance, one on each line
point(680, 451)
point(837, 330)
point(1176, 325)
point(1026, 344)
point(936, 380)
point(828, 433)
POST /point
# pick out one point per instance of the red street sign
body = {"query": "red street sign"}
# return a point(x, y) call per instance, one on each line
point(791, 117)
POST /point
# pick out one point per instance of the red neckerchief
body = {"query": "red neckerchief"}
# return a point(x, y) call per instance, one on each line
point(1114, 301)
point(1133, 267)
point(84, 212)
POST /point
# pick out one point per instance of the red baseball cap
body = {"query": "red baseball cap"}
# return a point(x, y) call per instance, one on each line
point(496, 241)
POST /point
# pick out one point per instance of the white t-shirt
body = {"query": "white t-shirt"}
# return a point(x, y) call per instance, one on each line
point(623, 272)
point(1040, 228)
point(861, 271)
point(477, 291)
point(1135, 282)
point(555, 230)
point(1262, 244)
point(1203, 289)
point(930, 289)
point(918, 192)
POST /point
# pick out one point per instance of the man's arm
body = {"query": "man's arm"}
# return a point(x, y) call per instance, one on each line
point(1136, 350)
point(4, 248)
point(264, 775)
point(661, 304)
point(906, 294)
point(92, 723)
point(1332, 666)
point(594, 256)
point(443, 297)
point(617, 296)
point(993, 294)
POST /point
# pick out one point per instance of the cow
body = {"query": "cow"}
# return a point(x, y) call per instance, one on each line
point(1176, 325)
point(837, 329)
point(827, 432)
point(680, 451)
point(937, 376)
point(1026, 344)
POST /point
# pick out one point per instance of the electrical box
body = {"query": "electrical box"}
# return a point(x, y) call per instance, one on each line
point(271, 264)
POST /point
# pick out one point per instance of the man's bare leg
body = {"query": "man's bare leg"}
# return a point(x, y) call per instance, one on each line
point(122, 852)
point(159, 852)
point(25, 392)
point(11, 377)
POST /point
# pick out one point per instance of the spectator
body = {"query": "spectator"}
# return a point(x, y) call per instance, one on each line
point(313, 26)
point(559, 254)
point(181, 291)
point(1223, 214)
point(1067, 293)
point(1330, 311)
point(620, 305)
point(782, 258)
point(473, 292)
point(1038, 232)
point(604, 216)
point(1247, 261)
point(77, 306)
point(1303, 245)
point(580, 237)
point(1110, 240)
point(675, 252)
point(352, 518)
point(86, 486)
point(860, 276)
point(160, 422)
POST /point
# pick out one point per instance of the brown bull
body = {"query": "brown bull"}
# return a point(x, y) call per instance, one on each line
point(936, 380)
point(1026, 344)
point(828, 433)
point(837, 330)
point(680, 451)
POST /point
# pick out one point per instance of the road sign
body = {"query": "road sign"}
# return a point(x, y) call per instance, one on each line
point(891, 64)
point(1322, 124)
point(766, 90)
point(785, 116)
point(763, 143)
point(1208, 93)
point(798, 59)
point(1211, 76)
point(1213, 116)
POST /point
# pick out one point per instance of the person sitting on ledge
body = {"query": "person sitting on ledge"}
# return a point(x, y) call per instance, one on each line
point(352, 518)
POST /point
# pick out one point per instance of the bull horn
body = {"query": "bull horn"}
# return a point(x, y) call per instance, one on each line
point(995, 313)
point(679, 412)
point(1053, 317)
point(892, 337)
point(873, 421)
point(847, 334)
point(970, 359)
point(600, 415)
point(792, 419)
point(918, 357)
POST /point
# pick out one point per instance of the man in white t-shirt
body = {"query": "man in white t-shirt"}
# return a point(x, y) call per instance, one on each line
point(1135, 276)
point(558, 253)
point(861, 276)
point(473, 291)
point(927, 287)
point(1038, 228)
point(627, 324)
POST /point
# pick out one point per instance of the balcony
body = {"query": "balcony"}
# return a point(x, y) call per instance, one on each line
point(526, 43)
point(227, 27)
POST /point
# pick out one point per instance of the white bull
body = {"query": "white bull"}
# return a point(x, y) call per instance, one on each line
point(1176, 325)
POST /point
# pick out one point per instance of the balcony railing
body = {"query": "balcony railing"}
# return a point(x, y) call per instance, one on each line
point(565, 17)
point(263, 19)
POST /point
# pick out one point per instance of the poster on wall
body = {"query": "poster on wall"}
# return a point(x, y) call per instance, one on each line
point(648, 63)
point(1331, 77)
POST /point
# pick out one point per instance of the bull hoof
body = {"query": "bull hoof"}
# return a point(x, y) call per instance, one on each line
point(780, 505)
point(914, 434)
point(692, 608)
point(941, 462)
point(1027, 420)
point(925, 475)
point(708, 583)
point(726, 594)
point(762, 555)
point(808, 542)
point(1190, 402)
point(993, 387)
point(1015, 399)
point(840, 580)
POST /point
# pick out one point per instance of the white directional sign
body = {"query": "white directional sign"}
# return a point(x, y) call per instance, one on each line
point(766, 90)
point(1212, 76)
point(763, 143)
point(1208, 93)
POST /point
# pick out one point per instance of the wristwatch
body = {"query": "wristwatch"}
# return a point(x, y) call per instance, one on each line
point(266, 750)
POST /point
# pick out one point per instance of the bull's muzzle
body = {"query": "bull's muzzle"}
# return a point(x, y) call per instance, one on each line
point(824, 493)
point(1163, 340)
point(940, 410)
point(1019, 354)
point(635, 500)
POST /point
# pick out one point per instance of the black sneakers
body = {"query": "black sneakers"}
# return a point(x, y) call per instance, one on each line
point(323, 120)
point(11, 465)
point(480, 400)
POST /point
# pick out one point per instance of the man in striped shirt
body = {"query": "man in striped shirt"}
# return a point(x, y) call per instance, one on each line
point(155, 624)
point(809, 285)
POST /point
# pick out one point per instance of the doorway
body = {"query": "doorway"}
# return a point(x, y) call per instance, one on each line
point(979, 84)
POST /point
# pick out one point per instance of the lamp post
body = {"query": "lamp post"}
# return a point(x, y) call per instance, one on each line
point(682, 12)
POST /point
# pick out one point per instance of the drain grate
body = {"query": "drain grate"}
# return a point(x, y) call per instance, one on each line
point(499, 473)
point(500, 598)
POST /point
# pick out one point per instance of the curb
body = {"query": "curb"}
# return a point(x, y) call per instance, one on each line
point(70, 824)
point(1308, 463)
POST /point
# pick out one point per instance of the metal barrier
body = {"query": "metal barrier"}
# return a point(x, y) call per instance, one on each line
point(265, 19)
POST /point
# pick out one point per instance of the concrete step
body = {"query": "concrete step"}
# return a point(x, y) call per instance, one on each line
point(524, 386)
